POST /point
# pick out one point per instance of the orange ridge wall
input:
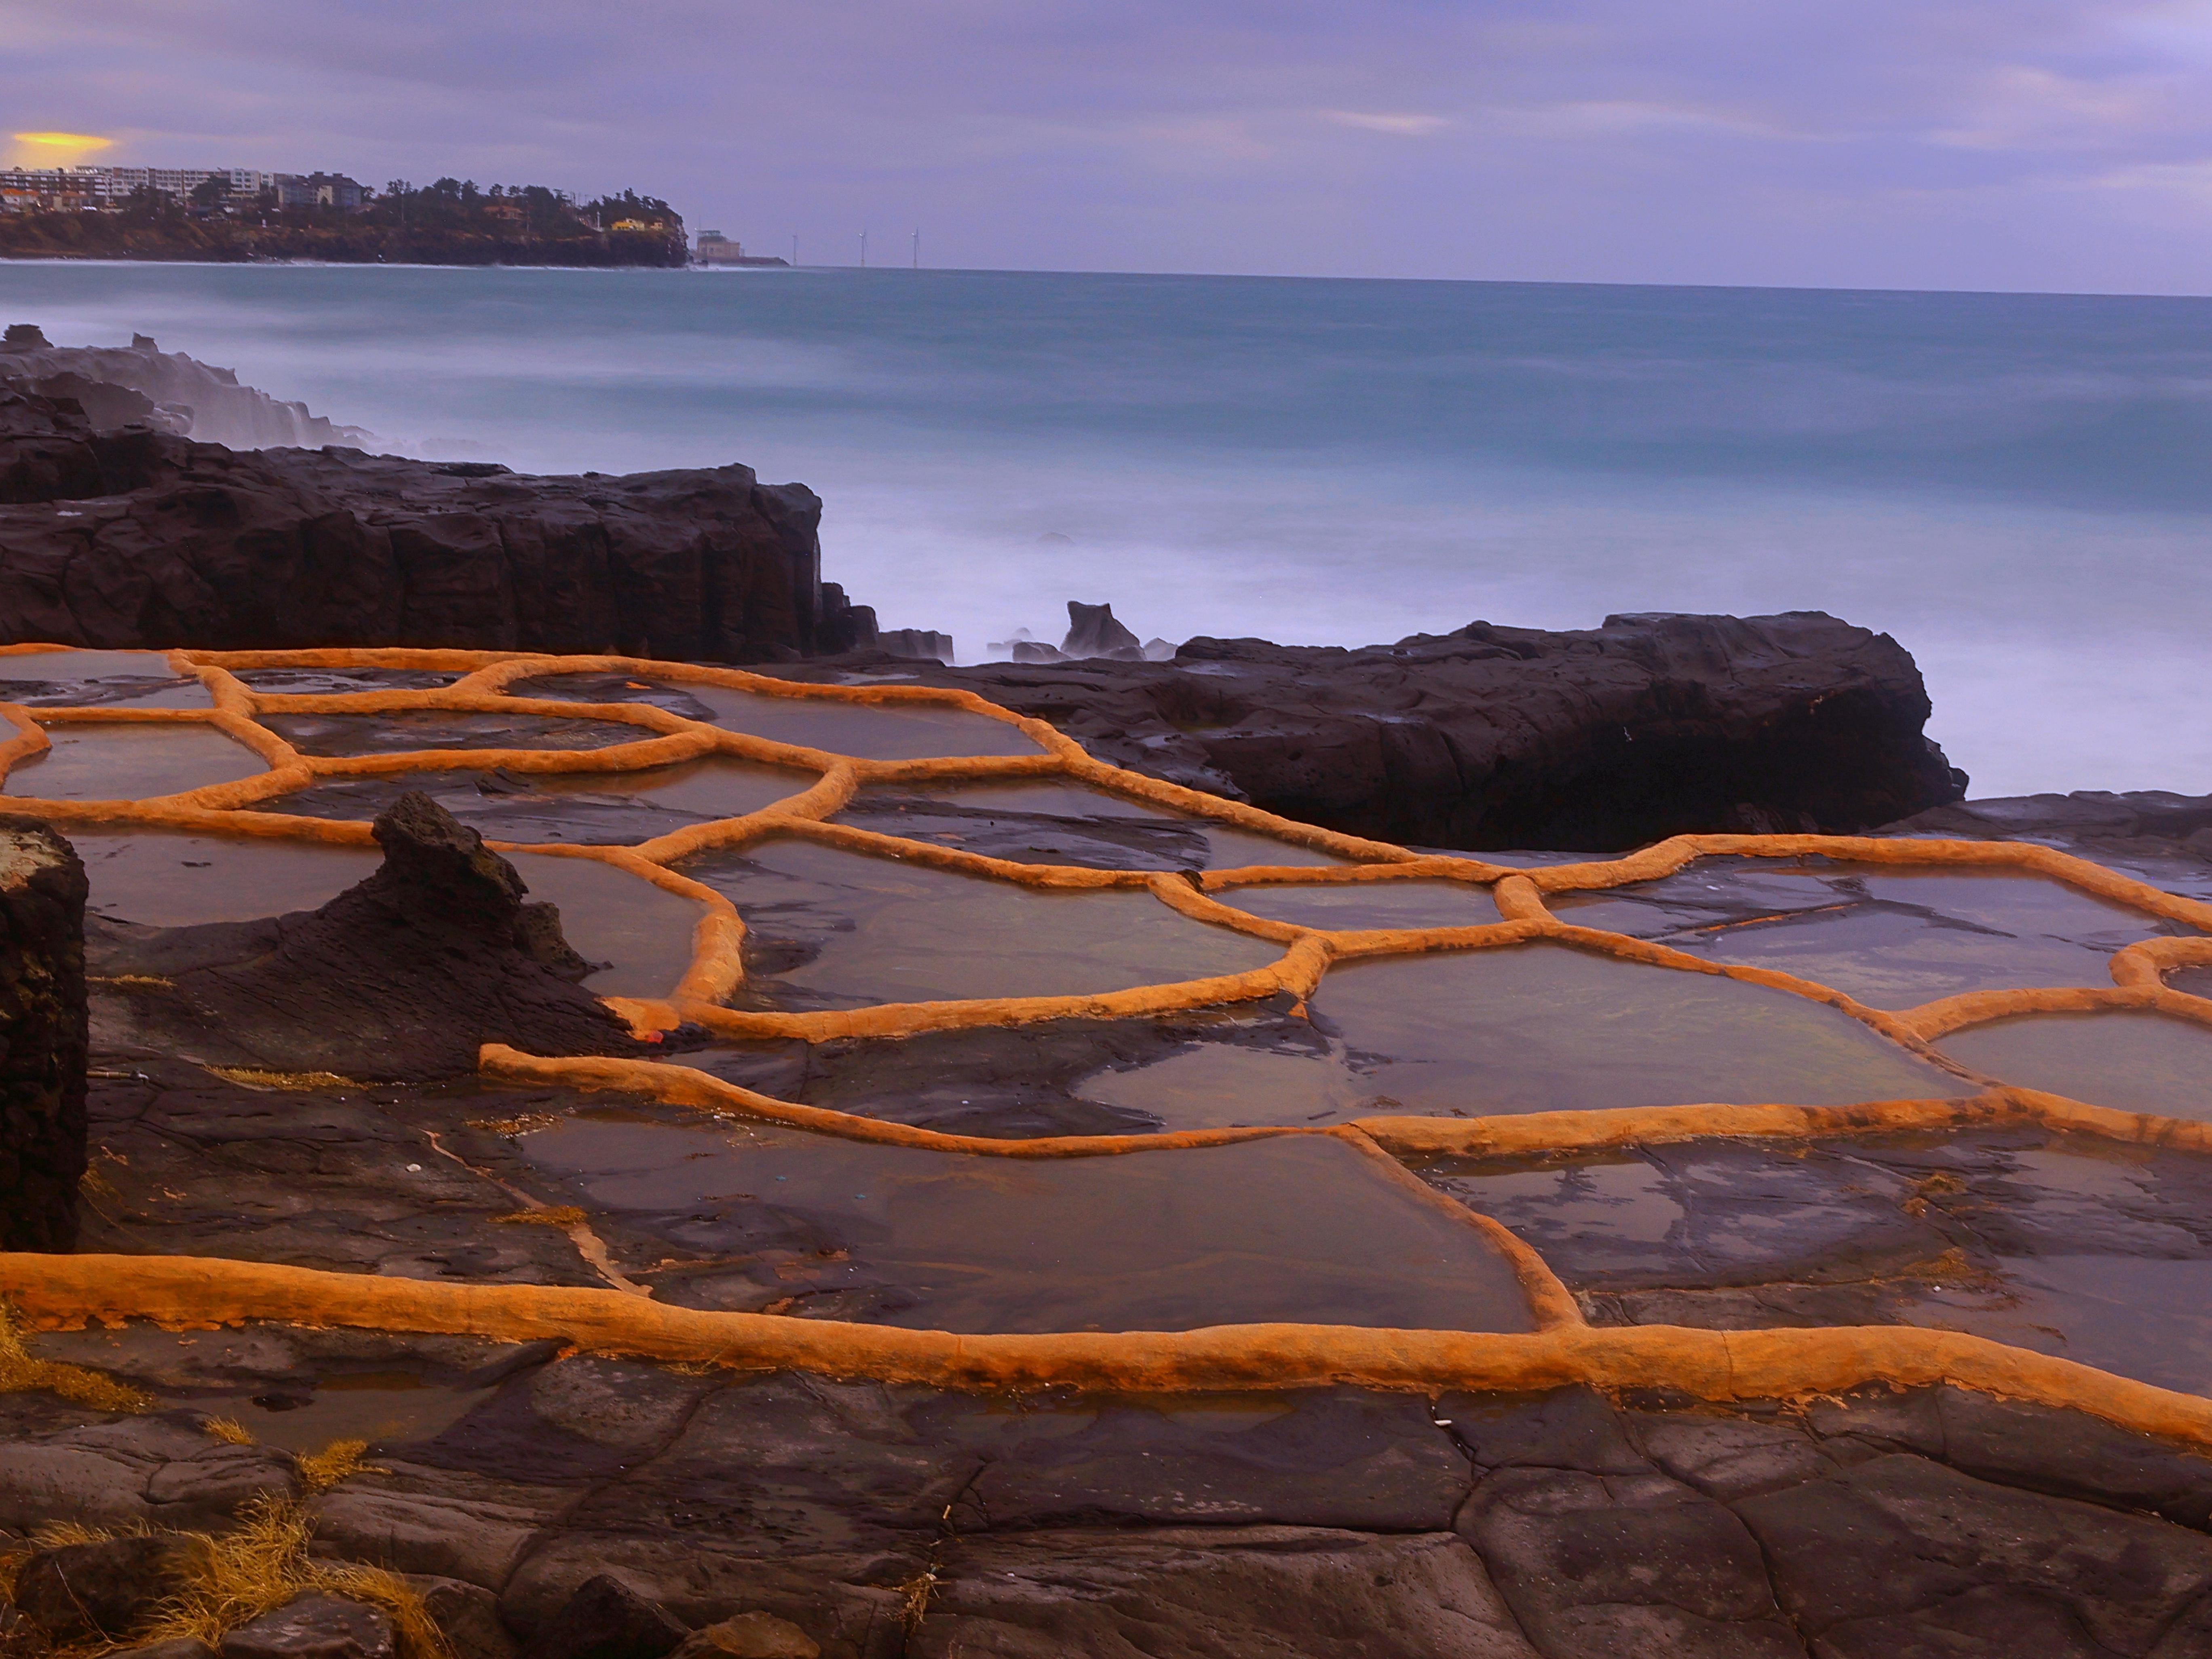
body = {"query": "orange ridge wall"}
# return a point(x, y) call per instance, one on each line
point(188, 1293)
point(1711, 1364)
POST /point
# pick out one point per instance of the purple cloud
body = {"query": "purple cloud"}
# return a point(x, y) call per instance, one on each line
point(2001, 144)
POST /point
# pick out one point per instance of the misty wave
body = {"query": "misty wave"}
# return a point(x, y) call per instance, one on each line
point(2014, 486)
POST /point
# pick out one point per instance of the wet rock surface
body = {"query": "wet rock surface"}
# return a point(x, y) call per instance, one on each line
point(126, 536)
point(402, 976)
point(873, 1521)
point(555, 1502)
point(42, 1036)
point(1492, 738)
point(1001, 1082)
point(2067, 1245)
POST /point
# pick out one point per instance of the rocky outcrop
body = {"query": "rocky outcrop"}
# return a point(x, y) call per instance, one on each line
point(404, 975)
point(2086, 816)
point(858, 1522)
point(136, 538)
point(1093, 630)
point(168, 390)
point(42, 1037)
point(1496, 738)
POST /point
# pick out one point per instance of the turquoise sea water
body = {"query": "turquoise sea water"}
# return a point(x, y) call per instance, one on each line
point(2018, 487)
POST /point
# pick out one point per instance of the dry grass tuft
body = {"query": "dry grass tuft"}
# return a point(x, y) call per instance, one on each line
point(236, 1577)
point(324, 1469)
point(253, 1076)
point(155, 980)
point(21, 1373)
point(264, 1565)
point(560, 1215)
point(228, 1430)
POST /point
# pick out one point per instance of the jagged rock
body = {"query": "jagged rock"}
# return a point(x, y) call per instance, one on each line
point(42, 1036)
point(401, 976)
point(916, 642)
point(1092, 632)
point(136, 538)
point(750, 1636)
point(103, 1591)
point(1493, 738)
point(605, 1619)
point(314, 1627)
point(208, 403)
point(23, 336)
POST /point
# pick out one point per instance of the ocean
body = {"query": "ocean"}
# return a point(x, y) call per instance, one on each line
point(2019, 488)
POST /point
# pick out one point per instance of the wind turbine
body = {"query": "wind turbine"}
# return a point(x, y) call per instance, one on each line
point(864, 250)
point(917, 248)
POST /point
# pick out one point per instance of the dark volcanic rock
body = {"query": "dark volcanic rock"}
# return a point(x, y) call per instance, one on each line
point(136, 538)
point(1218, 1593)
point(42, 1037)
point(87, 1592)
point(314, 1627)
point(402, 976)
point(1092, 631)
point(605, 1619)
point(1494, 737)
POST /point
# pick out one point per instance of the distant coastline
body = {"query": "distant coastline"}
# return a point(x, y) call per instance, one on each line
point(234, 217)
point(105, 236)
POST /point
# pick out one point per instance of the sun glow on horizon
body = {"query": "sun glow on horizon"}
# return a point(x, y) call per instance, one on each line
point(56, 148)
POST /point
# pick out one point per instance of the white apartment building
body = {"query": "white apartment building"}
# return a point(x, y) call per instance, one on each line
point(23, 188)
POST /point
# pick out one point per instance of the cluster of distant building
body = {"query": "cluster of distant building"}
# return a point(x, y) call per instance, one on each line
point(713, 249)
point(99, 189)
point(107, 189)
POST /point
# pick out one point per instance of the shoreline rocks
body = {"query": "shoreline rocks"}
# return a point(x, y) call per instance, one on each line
point(1489, 738)
point(43, 1037)
point(131, 539)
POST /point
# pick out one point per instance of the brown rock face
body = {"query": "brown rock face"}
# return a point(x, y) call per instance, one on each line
point(117, 539)
point(42, 1037)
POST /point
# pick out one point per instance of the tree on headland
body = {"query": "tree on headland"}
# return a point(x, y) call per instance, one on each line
point(651, 211)
point(448, 222)
point(147, 206)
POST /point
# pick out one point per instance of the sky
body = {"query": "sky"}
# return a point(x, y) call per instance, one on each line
point(2008, 144)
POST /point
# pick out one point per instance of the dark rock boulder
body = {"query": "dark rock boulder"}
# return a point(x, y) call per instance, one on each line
point(314, 1627)
point(605, 1619)
point(42, 1037)
point(1092, 632)
point(402, 976)
point(101, 1592)
point(1497, 737)
point(132, 537)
